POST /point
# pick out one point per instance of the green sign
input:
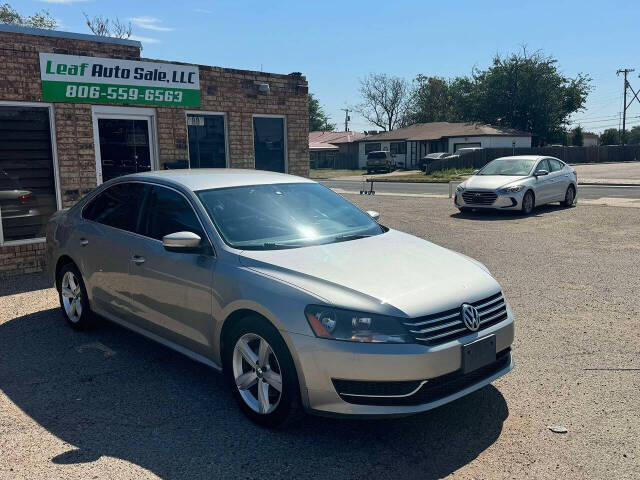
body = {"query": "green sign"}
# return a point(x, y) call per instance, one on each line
point(70, 78)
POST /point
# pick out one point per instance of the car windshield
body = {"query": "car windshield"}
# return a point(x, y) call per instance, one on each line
point(508, 166)
point(377, 155)
point(266, 217)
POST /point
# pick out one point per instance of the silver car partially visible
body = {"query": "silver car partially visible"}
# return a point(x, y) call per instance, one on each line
point(519, 183)
point(304, 301)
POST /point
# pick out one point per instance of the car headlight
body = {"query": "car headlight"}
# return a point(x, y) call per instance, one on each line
point(339, 324)
point(460, 187)
point(512, 189)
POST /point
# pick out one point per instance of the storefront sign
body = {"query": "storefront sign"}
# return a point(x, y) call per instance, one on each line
point(70, 78)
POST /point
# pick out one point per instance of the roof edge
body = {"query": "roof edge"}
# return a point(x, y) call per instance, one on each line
point(43, 32)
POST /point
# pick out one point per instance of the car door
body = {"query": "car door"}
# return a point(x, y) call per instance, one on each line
point(543, 185)
point(103, 237)
point(559, 179)
point(171, 291)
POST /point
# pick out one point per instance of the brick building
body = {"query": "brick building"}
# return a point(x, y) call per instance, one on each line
point(76, 110)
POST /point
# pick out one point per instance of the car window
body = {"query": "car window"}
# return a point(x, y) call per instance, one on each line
point(377, 155)
point(543, 165)
point(169, 212)
point(556, 165)
point(118, 206)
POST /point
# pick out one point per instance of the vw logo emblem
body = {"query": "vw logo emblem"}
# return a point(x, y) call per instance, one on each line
point(470, 317)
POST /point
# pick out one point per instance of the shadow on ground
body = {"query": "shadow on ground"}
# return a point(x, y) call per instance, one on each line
point(12, 285)
point(111, 392)
point(491, 215)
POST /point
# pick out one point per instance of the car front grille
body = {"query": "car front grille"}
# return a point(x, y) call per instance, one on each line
point(478, 197)
point(431, 390)
point(448, 325)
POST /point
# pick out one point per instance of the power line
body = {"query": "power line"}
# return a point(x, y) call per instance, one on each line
point(625, 72)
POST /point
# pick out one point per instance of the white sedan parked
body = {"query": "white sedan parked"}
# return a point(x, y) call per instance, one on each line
point(518, 183)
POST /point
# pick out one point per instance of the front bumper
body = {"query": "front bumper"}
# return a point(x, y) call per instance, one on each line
point(504, 201)
point(322, 362)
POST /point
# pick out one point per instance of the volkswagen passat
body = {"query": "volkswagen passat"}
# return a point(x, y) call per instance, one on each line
point(279, 282)
point(519, 183)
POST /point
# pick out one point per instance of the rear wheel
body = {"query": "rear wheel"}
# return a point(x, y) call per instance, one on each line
point(261, 373)
point(73, 297)
point(569, 197)
point(528, 203)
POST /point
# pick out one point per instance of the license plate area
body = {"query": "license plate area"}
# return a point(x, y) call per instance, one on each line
point(478, 353)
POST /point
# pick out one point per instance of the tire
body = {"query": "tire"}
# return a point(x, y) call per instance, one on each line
point(569, 197)
point(528, 203)
point(74, 301)
point(282, 407)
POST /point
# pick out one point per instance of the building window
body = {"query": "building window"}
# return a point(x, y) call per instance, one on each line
point(270, 143)
point(398, 148)
point(207, 140)
point(27, 172)
point(372, 147)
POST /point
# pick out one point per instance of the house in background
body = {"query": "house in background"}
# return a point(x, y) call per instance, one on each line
point(590, 140)
point(408, 145)
point(334, 149)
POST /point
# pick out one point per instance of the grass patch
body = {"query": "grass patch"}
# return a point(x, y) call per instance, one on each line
point(328, 173)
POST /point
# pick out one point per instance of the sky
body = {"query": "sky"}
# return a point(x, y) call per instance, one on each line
point(334, 44)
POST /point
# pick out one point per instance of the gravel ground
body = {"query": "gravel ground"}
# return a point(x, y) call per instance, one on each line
point(110, 404)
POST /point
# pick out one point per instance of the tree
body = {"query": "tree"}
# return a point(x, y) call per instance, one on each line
point(633, 136)
point(522, 91)
point(41, 19)
point(104, 27)
point(610, 136)
point(577, 137)
point(384, 100)
point(318, 120)
point(430, 101)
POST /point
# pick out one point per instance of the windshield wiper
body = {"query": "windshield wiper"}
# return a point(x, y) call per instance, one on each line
point(351, 236)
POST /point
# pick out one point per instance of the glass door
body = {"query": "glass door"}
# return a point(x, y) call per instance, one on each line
point(125, 147)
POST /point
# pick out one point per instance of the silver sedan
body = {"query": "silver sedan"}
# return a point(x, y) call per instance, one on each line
point(304, 301)
point(518, 183)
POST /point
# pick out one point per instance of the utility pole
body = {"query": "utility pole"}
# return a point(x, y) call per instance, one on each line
point(624, 71)
point(346, 119)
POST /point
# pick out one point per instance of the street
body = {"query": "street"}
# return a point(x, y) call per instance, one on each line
point(587, 192)
point(108, 403)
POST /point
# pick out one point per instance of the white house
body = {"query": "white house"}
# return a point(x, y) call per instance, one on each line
point(408, 145)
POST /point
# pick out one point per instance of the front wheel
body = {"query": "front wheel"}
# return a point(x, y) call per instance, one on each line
point(261, 373)
point(528, 202)
point(569, 197)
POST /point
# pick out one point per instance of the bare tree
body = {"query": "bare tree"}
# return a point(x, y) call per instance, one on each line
point(385, 100)
point(104, 27)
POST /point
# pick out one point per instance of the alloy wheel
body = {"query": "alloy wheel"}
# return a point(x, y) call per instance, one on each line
point(71, 296)
point(257, 373)
point(569, 197)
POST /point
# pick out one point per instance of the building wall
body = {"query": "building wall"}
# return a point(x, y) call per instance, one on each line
point(491, 142)
point(234, 92)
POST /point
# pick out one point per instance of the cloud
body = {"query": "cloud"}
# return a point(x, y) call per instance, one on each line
point(144, 39)
point(62, 1)
point(149, 23)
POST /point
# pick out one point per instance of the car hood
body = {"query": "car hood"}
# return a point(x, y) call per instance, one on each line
point(393, 273)
point(491, 181)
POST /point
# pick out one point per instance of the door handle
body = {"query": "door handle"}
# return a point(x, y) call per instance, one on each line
point(84, 242)
point(138, 260)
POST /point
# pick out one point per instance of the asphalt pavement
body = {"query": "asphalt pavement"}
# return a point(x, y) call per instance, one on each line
point(587, 192)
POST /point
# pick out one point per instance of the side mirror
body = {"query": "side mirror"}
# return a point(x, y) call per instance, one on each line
point(181, 241)
point(373, 214)
point(475, 172)
point(541, 173)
